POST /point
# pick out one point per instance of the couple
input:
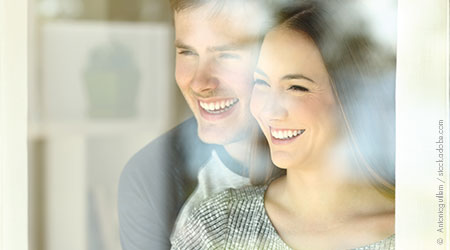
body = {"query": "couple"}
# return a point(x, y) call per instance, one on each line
point(316, 98)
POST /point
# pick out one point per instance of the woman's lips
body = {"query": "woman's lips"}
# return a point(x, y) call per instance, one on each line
point(284, 136)
point(217, 109)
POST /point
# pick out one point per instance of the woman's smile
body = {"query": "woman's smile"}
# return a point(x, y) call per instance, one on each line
point(284, 136)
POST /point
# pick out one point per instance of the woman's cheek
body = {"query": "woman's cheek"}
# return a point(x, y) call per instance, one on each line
point(257, 101)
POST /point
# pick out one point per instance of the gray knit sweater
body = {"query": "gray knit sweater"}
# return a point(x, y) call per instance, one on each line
point(236, 219)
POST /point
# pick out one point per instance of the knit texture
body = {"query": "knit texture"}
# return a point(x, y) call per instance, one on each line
point(236, 219)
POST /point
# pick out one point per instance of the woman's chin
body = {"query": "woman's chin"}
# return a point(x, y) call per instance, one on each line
point(283, 160)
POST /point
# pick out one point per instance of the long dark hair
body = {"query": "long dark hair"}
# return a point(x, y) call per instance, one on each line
point(362, 76)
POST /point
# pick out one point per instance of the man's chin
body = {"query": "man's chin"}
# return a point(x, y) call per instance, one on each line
point(219, 135)
point(213, 137)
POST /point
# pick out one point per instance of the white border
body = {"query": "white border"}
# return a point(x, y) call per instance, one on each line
point(13, 125)
point(421, 101)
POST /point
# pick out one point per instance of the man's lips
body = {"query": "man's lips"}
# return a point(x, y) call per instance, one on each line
point(282, 136)
point(217, 109)
point(217, 106)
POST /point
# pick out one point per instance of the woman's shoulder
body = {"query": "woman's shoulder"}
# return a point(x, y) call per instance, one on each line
point(206, 225)
point(246, 193)
point(385, 244)
point(224, 202)
point(209, 223)
point(222, 199)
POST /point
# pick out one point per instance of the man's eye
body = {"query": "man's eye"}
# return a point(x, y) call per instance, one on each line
point(261, 82)
point(187, 52)
point(298, 88)
point(229, 56)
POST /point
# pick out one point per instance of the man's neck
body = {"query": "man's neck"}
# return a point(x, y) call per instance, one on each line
point(239, 151)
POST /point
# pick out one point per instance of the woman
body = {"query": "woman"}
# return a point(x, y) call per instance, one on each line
point(311, 84)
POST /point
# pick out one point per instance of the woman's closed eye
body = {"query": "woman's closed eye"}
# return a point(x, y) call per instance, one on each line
point(298, 88)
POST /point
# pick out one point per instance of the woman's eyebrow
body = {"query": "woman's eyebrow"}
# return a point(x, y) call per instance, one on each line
point(259, 71)
point(296, 77)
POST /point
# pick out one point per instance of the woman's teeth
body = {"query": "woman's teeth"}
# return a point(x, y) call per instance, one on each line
point(286, 133)
point(219, 106)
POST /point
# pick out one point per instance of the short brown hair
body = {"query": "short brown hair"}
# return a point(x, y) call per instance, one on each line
point(179, 5)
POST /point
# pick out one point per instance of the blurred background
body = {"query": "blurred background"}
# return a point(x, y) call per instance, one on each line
point(101, 87)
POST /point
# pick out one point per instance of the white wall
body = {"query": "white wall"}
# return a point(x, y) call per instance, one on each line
point(13, 125)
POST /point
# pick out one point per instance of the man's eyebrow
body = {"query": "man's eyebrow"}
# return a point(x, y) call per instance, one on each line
point(179, 44)
point(237, 45)
point(297, 77)
point(227, 47)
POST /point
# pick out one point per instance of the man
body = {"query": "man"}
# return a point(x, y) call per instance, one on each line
point(217, 45)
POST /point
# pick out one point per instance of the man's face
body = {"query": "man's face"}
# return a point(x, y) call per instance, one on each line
point(216, 53)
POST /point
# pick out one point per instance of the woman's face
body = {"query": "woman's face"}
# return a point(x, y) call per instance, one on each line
point(292, 99)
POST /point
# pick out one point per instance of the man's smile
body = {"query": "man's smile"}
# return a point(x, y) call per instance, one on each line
point(218, 106)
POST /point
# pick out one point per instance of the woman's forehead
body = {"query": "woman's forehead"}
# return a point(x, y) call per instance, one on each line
point(286, 47)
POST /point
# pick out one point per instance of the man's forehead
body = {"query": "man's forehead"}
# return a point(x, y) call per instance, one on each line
point(214, 7)
point(232, 20)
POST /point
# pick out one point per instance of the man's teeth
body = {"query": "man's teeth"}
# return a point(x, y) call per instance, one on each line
point(286, 134)
point(219, 106)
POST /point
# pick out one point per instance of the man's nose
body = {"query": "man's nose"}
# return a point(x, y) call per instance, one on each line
point(204, 79)
point(274, 108)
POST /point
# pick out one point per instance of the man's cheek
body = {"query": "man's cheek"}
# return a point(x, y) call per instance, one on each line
point(182, 75)
point(237, 74)
point(243, 82)
point(244, 65)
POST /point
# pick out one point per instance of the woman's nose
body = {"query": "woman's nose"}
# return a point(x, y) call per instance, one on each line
point(274, 107)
